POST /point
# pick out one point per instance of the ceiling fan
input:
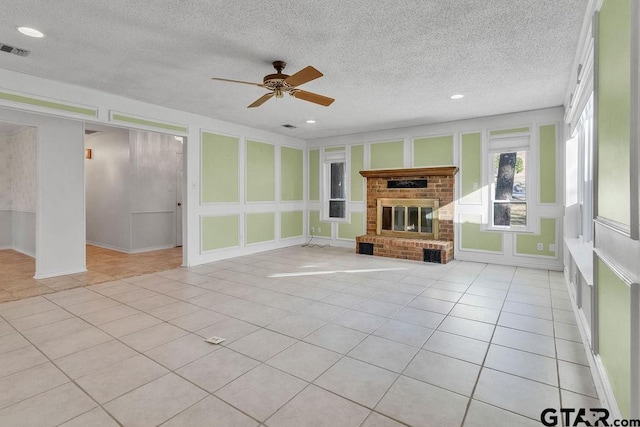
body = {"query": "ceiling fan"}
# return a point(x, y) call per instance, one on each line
point(280, 83)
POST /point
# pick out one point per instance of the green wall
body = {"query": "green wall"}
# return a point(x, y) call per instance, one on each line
point(330, 149)
point(260, 227)
point(314, 221)
point(548, 164)
point(150, 123)
point(433, 151)
point(528, 243)
point(357, 180)
point(219, 168)
point(92, 112)
point(314, 174)
point(387, 155)
point(291, 224)
point(471, 168)
point(219, 232)
point(261, 172)
point(291, 170)
point(354, 228)
point(614, 333)
point(506, 131)
point(613, 109)
point(473, 238)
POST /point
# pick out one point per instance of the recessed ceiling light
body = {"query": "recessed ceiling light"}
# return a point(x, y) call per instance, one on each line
point(31, 32)
point(457, 96)
point(311, 121)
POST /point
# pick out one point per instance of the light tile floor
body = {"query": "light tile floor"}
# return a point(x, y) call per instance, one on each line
point(320, 337)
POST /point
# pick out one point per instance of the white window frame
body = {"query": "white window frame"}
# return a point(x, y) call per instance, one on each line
point(508, 144)
point(584, 131)
point(327, 159)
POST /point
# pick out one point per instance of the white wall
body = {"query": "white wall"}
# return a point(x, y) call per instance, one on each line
point(23, 190)
point(153, 190)
point(106, 104)
point(18, 191)
point(5, 192)
point(108, 190)
point(60, 223)
point(131, 190)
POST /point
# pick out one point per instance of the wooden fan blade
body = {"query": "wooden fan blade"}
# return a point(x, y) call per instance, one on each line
point(303, 76)
point(237, 81)
point(312, 97)
point(261, 100)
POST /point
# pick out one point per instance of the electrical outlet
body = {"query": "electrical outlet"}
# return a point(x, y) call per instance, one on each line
point(552, 247)
point(540, 247)
point(313, 229)
point(475, 185)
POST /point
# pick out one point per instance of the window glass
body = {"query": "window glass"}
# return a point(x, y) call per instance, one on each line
point(398, 218)
point(412, 224)
point(336, 209)
point(426, 225)
point(337, 180)
point(335, 193)
point(386, 217)
point(510, 189)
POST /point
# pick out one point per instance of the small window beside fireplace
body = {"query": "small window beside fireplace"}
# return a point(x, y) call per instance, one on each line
point(409, 218)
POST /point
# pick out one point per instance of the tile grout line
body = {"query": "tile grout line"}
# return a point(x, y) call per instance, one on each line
point(71, 380)
point(475, 385)
point(351, 308)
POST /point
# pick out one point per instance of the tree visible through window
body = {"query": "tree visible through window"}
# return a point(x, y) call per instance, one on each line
point(337, 199)
point(510, 196)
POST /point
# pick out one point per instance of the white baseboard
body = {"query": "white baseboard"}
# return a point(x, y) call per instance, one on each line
point(598, 372)
point(23, 252)
point(604, 389)
point(500, 259)
point(221, 254)
point(112, 248)
point(133, 251)
point(59, 273)
point(155, 248)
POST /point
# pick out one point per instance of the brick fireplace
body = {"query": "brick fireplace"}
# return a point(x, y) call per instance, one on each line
point(420, 229)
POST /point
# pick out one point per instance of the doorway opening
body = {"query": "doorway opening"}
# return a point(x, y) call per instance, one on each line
point(133, 197)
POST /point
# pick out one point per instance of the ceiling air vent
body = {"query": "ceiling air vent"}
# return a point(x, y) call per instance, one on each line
point(14, 50)
point(288, 126)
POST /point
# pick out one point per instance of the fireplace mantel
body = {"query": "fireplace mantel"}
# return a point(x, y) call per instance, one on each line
point(410, 172)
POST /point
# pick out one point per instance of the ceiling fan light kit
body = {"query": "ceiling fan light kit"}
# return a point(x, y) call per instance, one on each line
point(280, 83)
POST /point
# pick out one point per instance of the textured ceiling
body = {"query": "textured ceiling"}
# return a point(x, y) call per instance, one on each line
point(388, 63)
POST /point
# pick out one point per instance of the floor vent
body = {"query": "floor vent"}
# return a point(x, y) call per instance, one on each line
point(365, 248)
point(14, 50)
point(432, 255)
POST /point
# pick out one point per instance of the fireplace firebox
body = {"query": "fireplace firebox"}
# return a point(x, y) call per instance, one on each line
point(408, 218)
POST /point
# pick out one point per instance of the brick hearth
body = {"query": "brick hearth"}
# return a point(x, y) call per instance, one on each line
point(440, 186)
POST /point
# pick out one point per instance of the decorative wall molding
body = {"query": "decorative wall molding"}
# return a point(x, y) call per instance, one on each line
point(147, 123)
point(40, 103)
